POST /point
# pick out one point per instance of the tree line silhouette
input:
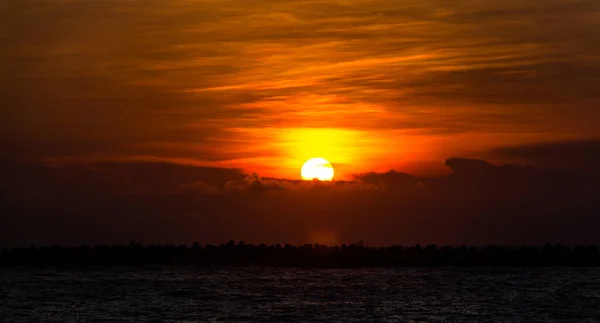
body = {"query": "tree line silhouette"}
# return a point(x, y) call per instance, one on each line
point(353, 255)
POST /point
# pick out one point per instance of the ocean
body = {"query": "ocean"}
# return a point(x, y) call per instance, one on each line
point(262, 294)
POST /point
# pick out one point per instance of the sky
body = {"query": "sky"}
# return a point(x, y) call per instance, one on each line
point(128, 102)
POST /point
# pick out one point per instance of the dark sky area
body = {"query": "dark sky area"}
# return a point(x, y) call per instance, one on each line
point(457, 122)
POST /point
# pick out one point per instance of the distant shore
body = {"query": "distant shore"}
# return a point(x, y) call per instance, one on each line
point(353, 255)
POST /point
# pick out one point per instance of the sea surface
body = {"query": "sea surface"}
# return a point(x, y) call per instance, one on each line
point(223, 294)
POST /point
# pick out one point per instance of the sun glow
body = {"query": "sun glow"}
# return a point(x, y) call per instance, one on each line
point(317, 168)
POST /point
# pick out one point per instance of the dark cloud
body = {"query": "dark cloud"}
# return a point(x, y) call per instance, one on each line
point(517, 179)
point(170, 175)
point(584, 153)
point(462, 166)
point(200, 188)
point(95, 180)
point(477, 203)
point(254, 184)
point(388, 180)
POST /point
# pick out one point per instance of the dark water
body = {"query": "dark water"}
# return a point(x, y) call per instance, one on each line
point(198, 294)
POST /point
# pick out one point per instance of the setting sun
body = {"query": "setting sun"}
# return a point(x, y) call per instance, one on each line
point(317, 168)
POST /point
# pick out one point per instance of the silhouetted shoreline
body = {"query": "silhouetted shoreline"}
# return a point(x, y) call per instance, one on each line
point(353, 255)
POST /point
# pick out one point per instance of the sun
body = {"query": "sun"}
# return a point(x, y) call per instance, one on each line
point(317, 168)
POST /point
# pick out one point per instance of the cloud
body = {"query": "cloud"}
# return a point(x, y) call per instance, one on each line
point(583, 153)
point(254, 184)
point(465, 166)
point(388, 180)
point(200, 188)
point(96, 180)
point(135, 81)
point(477, 203)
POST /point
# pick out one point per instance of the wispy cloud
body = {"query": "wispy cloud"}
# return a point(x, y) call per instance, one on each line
point(193, 79)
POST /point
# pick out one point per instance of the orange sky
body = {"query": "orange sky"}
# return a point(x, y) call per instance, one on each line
point(263, 85)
